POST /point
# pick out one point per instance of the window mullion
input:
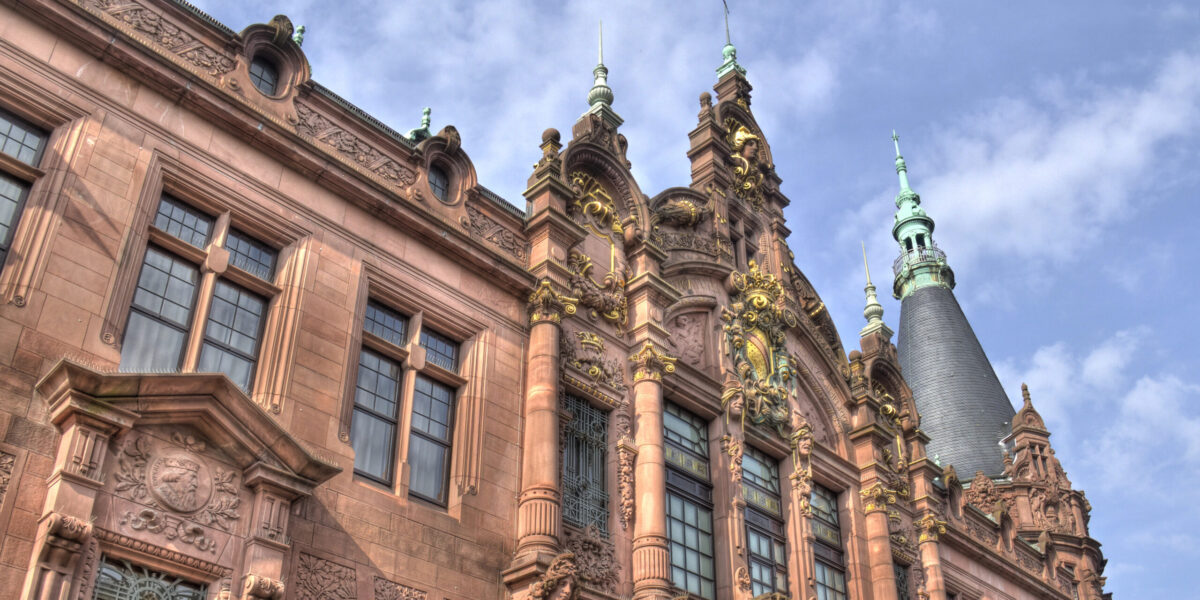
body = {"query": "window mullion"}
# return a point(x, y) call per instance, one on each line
point(220, 230)
point(195, 342)
point(404, 406)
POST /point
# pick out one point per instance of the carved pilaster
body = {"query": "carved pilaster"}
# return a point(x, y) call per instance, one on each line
point(58, 544)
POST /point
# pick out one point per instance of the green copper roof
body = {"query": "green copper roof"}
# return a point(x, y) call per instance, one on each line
point(921, 263)
point(729, 53)
point(873, 312)
point(600, 97)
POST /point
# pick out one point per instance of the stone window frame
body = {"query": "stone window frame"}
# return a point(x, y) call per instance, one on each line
point(166, 176)
point(468, 380)
point(840, 505)
point(674, 489)
point(763, 520)
point(67, 129)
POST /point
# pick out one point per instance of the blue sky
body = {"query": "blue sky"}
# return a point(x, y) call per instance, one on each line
point(1055, 144)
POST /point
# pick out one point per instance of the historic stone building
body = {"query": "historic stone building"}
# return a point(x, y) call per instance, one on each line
point(256, 344)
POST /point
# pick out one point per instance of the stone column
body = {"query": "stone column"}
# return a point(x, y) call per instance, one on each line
point(876, 499)
point(539, 506)
point(651, 561)
point(929, 528)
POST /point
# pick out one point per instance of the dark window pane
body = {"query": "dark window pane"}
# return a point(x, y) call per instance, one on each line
point(439, 182)
point(761, 470)
point(122, 580)
point(439, 349)
point(378, 384)
point(231, 336)
point(385, 323)
point(432, 403)
point(20, 140)
point(250, 255)
point(264, 75)
point(428, 461)
point(12, 200)
point(183, 222)
point(151, 346)
point(372, 439)
point(686, 429)
point(689, 527)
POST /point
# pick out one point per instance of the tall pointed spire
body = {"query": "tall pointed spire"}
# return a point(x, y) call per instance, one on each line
point(874, 310)
point(921, 263)
point(600, 98)
point(729, 52)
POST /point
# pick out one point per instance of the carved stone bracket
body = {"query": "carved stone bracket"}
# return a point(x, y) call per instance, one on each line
point(256, 587)
point(651, 363)
point(547, 305)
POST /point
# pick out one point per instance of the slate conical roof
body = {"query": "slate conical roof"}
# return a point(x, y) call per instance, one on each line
point(963, 406)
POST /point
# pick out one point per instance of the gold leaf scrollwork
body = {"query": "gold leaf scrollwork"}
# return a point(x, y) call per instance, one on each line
point(651, 363)
point(547, 305)
point(605, 299)
point(747, 176)
point(594, 204)
point(929, 527)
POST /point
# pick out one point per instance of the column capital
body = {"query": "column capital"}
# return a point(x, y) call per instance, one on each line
point(651, 363)
point(548, 306)
point(929, 527)
point(877, 497)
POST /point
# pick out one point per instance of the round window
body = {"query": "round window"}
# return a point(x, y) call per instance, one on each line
point(439, 182)
point(264, 75)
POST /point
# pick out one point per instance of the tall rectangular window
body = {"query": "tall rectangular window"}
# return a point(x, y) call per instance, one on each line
point(829, 562)
point(765, 532)
point(376, 397)
point(689, 502)
point(169, 290)
point(429, 444)
point(25, 143)
point(585, 492)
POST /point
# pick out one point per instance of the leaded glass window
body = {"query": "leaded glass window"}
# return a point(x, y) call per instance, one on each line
point(385, 323)
point(183, 222)
point(765, 533)
point(439, 349)
point(264, 75)
point(829, 562)
point(24, 143)
point(231, 338)
point(122, 580)
point(429, 445)
point(689, 502)
point(250, 255)
point(585, 437)
point(161, 314)
point(373, 428)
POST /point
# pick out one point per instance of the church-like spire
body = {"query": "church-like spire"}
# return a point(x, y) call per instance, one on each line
point(874, 310)
point(600, 98)
point(729, 52)
point(921, 263)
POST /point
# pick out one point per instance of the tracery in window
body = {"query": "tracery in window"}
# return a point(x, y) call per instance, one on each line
point(585, 491)
point(122, 580)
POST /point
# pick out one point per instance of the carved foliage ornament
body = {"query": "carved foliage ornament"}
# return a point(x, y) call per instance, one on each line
point(166, 34)
point(593, 206)
point(747, 176)
point(877, 497)
point(177, 480)
point(586, 353)
point(605, 299)
point(547, 305)
point(651, 363)
point(756, 324)
point(172, 528)
point(929, 528)
point(626, 459)
point(312, 124)
point(733, 447)
point(320, 579)
point(487, 229)
point(596, 564)
point(389, 590)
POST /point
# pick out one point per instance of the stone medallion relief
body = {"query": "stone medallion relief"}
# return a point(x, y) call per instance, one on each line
point(173, 490)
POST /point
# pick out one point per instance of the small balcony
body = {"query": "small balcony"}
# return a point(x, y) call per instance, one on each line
point(929, 254)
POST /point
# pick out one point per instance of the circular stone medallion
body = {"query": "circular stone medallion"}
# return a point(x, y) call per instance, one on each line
point(180, 481)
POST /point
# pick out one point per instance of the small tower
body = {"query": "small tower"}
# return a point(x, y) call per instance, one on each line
point(963, 406)
point(873, 312)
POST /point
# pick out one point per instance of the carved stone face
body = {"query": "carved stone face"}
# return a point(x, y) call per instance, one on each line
point(750, 149)
point(180, 482)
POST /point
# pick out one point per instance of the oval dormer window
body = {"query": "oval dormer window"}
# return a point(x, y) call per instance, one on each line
point(439, 182)
point(264, 75)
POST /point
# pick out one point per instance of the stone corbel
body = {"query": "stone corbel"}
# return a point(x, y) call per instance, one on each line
point(256, 587)
point(61, 538)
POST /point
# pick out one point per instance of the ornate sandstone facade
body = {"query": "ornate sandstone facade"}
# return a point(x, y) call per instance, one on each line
point(256, 344)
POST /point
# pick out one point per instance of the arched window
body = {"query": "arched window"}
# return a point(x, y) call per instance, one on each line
point(439, 182)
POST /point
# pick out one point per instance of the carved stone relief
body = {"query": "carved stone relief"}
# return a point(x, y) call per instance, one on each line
point(626, 459)
point(558, 582)
point(172, 528)
point(606, 299)
point(689, 338)
point(390, 590)
point(596, 564)
point(484, 227)
point(166, 34)
point(7, 463)
point(320, 579)
point(585, 351)
point(170, 478)
point(312, 124)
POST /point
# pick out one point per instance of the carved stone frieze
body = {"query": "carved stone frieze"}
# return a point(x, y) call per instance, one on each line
point(764, 374)
point(558, 582)
point(165, 34)
point(172, 528)
point(320, 579)
point(173, 479)
point(547, 305)
point(983, 533)
point(390, 590)
point(651, 363)
point(605, 299)
point(312, 124)
point(626, 459)
point(585, 351)
point(712, 244)
point(484, 227)
point(187, 560)
point(596, 564)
